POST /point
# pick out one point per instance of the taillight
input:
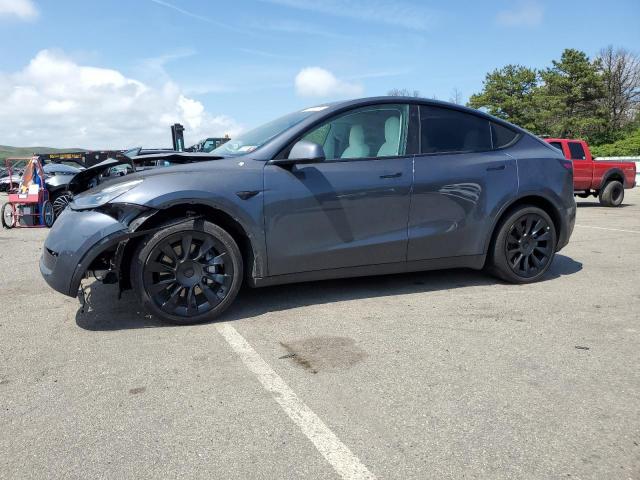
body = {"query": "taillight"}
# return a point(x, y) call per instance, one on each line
point(568, 164)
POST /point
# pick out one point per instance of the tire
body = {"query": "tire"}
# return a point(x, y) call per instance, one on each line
point(8, 215)
point(47, 217)
point(612, 194)
point(523, 246)
point(192, 288)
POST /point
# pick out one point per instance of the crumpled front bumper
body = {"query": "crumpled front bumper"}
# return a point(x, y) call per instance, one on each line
point(74, 241)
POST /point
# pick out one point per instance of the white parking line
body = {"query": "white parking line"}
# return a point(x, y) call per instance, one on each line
point(611, 229)
point(345, 463)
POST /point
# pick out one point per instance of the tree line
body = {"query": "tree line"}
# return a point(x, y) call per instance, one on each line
point(596, 99)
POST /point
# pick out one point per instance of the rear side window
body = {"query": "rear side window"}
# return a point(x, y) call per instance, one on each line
point(445, 130)
point(576, 150)
point(558, 145)
point(502, 136)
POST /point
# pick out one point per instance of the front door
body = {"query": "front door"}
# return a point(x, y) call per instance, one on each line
point(349, 210)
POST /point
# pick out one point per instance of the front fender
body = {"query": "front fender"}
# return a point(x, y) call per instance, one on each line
point(236, 192)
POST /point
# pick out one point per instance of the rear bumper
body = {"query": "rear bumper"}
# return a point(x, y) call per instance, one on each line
point(568, 222)
point(73, 243)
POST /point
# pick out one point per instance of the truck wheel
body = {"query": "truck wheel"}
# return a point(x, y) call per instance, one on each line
point(523, 246)
point(187, 273)
point(612, 194)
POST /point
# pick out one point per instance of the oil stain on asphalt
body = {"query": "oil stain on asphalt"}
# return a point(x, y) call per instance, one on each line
point(315, 354)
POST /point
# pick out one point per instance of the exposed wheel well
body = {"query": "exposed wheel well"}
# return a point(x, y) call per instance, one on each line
point(614, 176)
point(536, 201)
point(219, 217)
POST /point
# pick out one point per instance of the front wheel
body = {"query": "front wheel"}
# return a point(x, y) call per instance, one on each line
point(612, 194)
point(187, 273)
point(524, 245)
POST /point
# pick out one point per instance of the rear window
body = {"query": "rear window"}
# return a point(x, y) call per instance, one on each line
point(576, 151)
point(445, 131)
point(502, 136)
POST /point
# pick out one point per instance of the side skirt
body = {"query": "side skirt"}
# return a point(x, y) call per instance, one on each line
point(475, 262)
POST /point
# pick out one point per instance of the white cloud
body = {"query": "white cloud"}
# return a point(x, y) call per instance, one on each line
point(24, 9)
point(318, 82)
point(55, 102)
point(527, 14)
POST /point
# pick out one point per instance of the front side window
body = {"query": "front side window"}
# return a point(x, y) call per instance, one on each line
point(369, 132)
point(576, 150)
point(444, 130)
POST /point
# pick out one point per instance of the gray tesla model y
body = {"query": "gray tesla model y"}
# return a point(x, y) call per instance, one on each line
point(361, 187)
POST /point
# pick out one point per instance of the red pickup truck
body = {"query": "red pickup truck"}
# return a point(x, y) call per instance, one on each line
point(604, 179)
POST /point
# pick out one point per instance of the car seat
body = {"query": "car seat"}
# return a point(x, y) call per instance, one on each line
point(357, 148)
point(392, 138)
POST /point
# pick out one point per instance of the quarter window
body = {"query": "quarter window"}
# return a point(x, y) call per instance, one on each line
point(576, 151)
point(370, 132)
point(444, 130)
point(502, 136)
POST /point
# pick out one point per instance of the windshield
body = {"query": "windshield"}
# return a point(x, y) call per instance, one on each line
point(257, 137)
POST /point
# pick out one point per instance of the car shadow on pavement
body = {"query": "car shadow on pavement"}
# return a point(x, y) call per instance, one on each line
point(104, 312)
point(597, 204)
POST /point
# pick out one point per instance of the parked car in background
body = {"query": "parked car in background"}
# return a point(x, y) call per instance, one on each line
point(208, 144)
point(603, 179)
point(363, 187)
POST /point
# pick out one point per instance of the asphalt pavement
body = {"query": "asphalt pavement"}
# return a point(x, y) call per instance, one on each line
point(445, 374)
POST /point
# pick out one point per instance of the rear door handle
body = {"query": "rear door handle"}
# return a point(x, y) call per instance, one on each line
point(392, 175)
point(492, 169)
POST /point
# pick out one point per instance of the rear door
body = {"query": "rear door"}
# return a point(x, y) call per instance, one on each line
point(349, 210)
point(461, 178)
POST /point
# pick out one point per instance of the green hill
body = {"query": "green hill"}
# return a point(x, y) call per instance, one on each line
point(6, 151)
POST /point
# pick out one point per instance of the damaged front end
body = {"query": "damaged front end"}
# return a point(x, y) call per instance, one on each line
point(91, 242)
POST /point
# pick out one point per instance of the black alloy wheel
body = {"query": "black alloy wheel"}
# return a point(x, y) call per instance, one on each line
point(523, 245)
point(188, 273)
point(528, 245)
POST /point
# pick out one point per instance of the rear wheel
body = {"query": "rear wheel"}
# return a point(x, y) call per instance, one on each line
point(612, 194)
point(8, 215)
point(524, 245)
point(187, 273)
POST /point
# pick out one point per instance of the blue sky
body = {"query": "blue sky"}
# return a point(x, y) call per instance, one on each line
point(227, 66)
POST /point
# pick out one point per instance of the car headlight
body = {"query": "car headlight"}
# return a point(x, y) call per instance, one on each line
point(104, 195)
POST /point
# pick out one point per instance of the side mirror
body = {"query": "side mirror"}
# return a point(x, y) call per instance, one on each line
point(302, 152)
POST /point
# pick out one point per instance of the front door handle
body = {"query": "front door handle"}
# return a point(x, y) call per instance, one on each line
point(492, 169)
point(392, 175)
